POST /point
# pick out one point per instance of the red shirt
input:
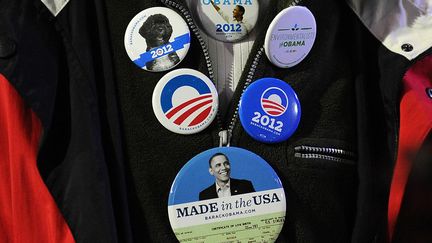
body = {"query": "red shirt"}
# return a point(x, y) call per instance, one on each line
point(415, 126)
point(28, 213)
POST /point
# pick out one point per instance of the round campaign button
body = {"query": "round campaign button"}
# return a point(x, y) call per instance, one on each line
point(227, 194)
point(290, 36)
point(185, 101)
point(228, 20)
point(157, 39)
point(270, 110)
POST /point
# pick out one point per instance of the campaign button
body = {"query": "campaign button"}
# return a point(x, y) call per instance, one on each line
point(270, 110)
point(227, 194)
point(290, 36)
point(157, 39)
point(185, 101)
point(228, 20)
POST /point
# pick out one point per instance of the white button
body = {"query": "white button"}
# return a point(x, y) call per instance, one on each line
point(157, 39)
point(185, 101)
point(290, 37)
point(228, 20)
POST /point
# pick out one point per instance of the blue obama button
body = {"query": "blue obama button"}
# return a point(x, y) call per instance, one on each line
point(270, 110)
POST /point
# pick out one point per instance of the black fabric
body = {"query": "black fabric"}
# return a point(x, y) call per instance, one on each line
point(377, 119)
point(38, 47)
point(237, 187)
point(63, 71)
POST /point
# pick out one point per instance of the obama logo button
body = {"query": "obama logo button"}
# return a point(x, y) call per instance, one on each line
point(270, 110)
point(185, 101)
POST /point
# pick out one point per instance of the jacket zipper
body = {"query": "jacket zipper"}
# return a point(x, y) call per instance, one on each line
point(249, 79)
point(195, 30)
point(332, 154)
point(224, 134)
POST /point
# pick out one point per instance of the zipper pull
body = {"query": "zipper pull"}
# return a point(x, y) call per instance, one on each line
point(224, 138)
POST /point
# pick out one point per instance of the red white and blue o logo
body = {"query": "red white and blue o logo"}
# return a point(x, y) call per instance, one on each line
point(185, 101)
point(274, 101)
point(190, 110)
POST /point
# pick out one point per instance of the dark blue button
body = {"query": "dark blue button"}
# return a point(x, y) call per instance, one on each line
point(270, 110)
point(7, 47)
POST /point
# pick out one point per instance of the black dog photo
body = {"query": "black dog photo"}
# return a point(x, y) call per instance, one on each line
point(157, 31)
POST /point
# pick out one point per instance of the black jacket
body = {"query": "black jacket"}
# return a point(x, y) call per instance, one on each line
point(103, 151)
point(237, 187)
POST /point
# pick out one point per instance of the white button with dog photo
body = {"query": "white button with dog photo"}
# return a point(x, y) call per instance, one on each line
point(228, 20)
point(157, 39)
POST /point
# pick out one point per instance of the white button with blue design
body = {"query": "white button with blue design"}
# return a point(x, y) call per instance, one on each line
point(290, 36)
point(227, 20)
point(270, 110)
point(157, 39)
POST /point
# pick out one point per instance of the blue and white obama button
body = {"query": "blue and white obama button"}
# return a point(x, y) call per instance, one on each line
point(185, 101)
point(157, 39)
point(270, 110)
point(228, 20)
point(227, 194)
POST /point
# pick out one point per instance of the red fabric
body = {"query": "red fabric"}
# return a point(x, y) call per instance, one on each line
point(415, 125)
point(28, 213)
